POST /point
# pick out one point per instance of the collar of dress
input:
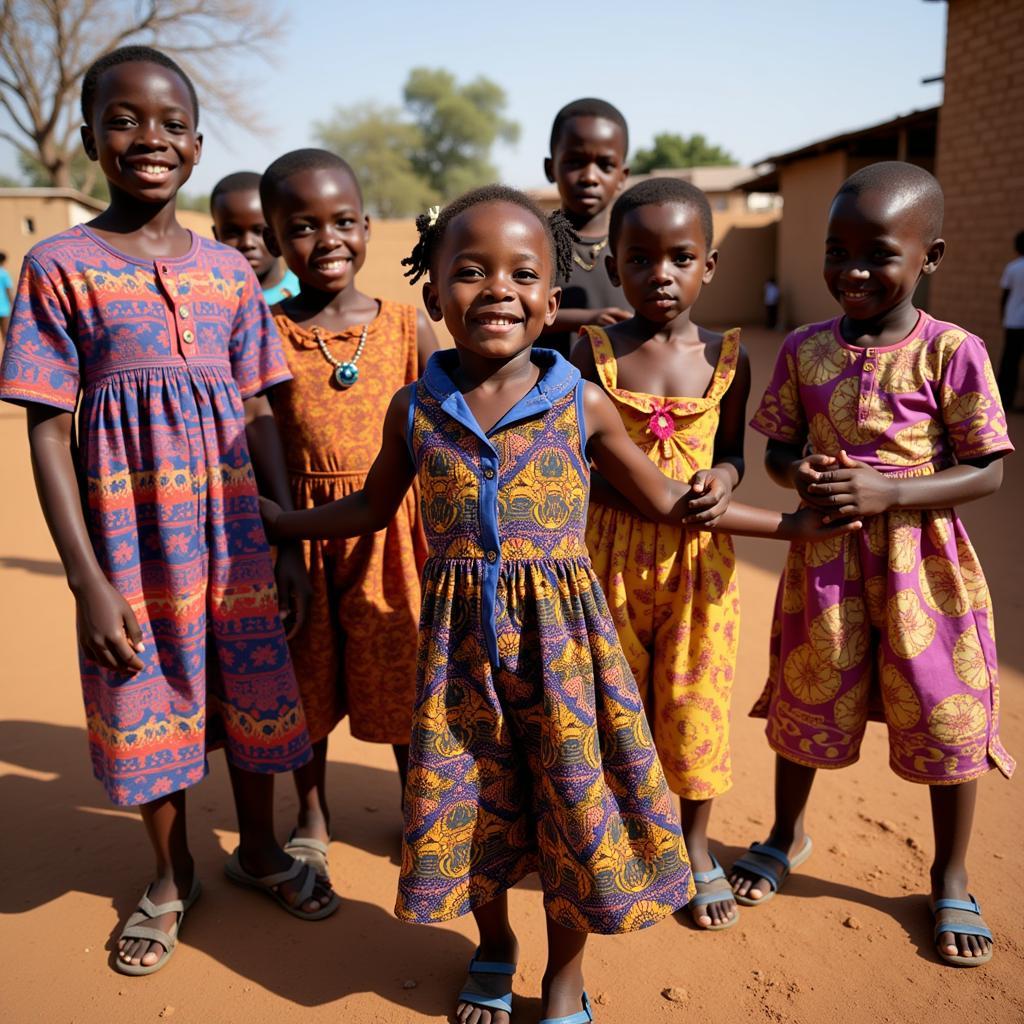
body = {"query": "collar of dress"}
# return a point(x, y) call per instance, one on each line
point(557, 378)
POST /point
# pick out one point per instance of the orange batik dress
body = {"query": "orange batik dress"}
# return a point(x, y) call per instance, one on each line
point(356, 654)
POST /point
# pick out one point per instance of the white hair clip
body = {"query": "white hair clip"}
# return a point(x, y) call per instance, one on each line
point(432, 214)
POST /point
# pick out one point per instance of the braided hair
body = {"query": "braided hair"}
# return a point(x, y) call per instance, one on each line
point(557, 229)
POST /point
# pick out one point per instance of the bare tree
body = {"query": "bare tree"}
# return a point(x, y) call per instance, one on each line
point(46, 46)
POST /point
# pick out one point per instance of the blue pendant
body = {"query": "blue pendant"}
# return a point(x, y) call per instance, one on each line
point(346, 375)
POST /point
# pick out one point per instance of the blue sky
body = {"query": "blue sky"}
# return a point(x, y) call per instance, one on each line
point(757, 78)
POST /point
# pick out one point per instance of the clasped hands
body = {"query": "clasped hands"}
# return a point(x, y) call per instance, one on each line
point(843, 487)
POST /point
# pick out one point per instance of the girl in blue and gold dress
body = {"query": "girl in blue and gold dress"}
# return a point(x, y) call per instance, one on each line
point(530, 750)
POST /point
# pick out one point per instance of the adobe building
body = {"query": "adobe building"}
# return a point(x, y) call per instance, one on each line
point(744, 223)
point(980, 161)
point(28, 215)
point(807, 179)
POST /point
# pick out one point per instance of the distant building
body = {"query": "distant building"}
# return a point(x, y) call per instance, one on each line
point(28, 215)
point(807, 179)
point(744, 225)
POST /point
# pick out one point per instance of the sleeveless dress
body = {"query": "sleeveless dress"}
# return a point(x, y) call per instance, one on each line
point(530, 749)
point(673, 592)
point(356, 654)
point(159, 357)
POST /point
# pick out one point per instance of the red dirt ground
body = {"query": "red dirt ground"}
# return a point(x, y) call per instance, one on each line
point(849, 940)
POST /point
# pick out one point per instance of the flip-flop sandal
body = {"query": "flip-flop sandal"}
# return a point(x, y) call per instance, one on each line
point(585, 1016)
point(310, 851)
point(472, 992)
point(713, 887)
point(764, 861)
point(960, 917)
point(137, 928)
point(270, 884)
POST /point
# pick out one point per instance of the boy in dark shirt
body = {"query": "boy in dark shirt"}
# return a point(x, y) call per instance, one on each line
point(589, 144)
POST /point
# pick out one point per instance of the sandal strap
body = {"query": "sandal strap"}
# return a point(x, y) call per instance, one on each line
point(959, 917)
point(151, 909)
point(716, 891)
point(142, 931)
point(307, 886)
point(717, 871)
point(585, 1016)
point(970, 905)
point(308, 843)
point(762, 868)
point(490, 966)
point(487, 1002)
point(269, 881)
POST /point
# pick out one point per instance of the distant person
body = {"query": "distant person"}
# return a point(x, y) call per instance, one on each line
point(6, 299)
point(1012, 283)
point(238, 221)
point(589, 144)
point(167, 354)
point(348, 354)
point(771, 303)
point(681, 391)
point(904, 425)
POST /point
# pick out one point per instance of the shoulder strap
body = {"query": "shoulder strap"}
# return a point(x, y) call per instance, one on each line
point(604, 355)
point(725, 370)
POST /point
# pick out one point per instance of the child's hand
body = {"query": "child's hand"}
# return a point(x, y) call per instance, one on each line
point(807, 472)
point(809, 523)
point(294, 590)
point(853, 489)
point(269, 511)
point(611, 315)
point(108, 631)
point(712, 490)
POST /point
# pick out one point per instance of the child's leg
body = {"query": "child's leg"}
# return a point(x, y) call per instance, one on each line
point(562, 986)
point(792, 788)
point(258, 849)
point(696, 815)
point(165, 825)
point(952, 816)
point(311, 787)
point(402, 760)
point(497, 943)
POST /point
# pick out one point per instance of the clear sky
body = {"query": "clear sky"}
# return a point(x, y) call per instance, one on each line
point(757, 78)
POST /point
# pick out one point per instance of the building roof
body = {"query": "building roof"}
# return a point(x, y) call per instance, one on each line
point(919, 128)
point(54, 193)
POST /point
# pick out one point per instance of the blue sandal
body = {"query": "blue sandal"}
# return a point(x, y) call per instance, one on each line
point(708, 892)
point(482, 999)
point(960, 917)
point(583, 1017)
point(757, 863)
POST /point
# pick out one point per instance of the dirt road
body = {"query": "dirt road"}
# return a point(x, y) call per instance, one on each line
point(848, 941)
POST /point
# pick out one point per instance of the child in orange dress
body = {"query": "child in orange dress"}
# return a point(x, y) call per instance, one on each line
point(348, 354)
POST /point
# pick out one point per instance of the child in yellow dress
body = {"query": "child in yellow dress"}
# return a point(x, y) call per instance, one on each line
point(672, 590)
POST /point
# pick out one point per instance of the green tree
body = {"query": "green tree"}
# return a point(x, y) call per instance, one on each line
point(459, 124)
point(82, 174)
point(672, 150)
point(380, 146)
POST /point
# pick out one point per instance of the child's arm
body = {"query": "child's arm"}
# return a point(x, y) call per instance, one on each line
point(573, 319)
point(108, 631)
point(854, 488)
point(426, 341)
point(364, 511)
point(789, 467)
point(660, 498)
point(294, 590)
point(715, 485)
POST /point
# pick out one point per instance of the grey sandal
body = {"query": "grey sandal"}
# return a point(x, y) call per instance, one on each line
point(136, 927)
point(270, 884)
point(713, 887)
point(310, 851)
point(770, 863)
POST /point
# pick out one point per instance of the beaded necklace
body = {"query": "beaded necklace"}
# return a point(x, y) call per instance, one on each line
point(346, 373)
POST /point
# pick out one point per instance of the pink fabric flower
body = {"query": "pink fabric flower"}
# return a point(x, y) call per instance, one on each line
point(661, 424)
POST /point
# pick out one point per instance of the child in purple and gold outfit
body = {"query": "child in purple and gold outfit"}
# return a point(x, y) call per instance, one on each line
point(902, 416)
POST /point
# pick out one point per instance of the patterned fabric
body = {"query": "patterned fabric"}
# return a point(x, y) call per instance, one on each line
point(162, 356)
point(530, 750)
point(673, 593)
point(903, 605)
point(357, 651)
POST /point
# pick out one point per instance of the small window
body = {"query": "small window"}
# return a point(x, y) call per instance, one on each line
point(28, 225)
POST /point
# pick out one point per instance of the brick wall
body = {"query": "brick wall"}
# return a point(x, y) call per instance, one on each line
point(980, 161)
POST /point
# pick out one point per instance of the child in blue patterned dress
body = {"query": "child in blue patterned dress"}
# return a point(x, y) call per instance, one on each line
point(530, 750)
